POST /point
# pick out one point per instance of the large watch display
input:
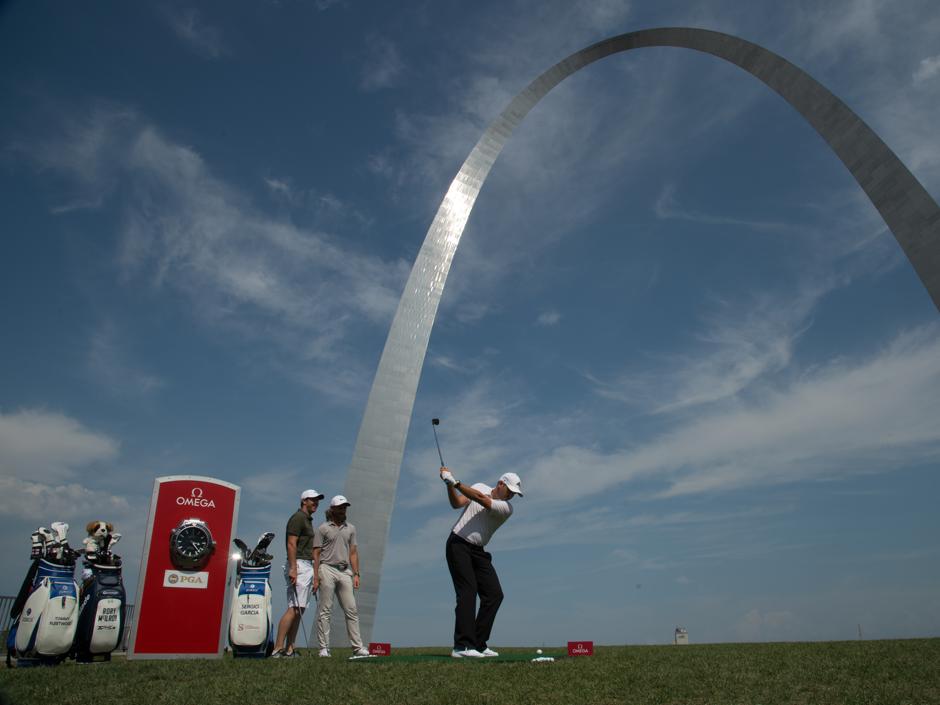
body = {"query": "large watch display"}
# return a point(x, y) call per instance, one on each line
point(191, 544)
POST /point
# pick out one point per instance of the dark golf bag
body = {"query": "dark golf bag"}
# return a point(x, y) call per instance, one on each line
point(250, 631)
point(101, 619)
point(45, 614)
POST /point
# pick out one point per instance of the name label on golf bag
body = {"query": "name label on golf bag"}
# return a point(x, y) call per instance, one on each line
point(250, 623)
point(50, 616)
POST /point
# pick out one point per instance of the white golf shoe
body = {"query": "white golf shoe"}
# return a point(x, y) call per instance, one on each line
point(324, 653)
point(361, 652)
point(489, 652)
point(466, 653)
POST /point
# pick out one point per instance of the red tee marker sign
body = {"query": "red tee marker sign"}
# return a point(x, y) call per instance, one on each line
point(580, 648)
point(380, 649)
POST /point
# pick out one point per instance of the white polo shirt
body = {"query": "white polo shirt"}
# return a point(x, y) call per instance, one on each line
point(477, 523)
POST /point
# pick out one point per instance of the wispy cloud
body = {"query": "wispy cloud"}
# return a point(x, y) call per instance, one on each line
point(868, 417)
point(383, 65)
point(201, 37)
point(185, 228)
point(742, 341)
point(667, 207)
point(109, 363)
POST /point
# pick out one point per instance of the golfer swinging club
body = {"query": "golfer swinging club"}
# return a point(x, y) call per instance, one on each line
point(471, 568)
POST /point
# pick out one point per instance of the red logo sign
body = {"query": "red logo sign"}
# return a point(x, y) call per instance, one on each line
point(580, 648)
point(380, 649)
point(171, 621)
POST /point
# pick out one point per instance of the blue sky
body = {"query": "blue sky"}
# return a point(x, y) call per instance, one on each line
point(673, 312)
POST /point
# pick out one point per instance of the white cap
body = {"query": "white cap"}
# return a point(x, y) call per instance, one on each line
point(339, 501)
point(512, 481)
point(310, 494)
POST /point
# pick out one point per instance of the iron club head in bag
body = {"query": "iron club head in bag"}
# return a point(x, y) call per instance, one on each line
point(242, 549)
point(258, 552)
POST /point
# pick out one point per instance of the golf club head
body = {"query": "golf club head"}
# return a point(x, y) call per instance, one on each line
point(91, 548)
point(242, 547)
point(61, 530)
point(35, 549)
point(435, 422)
point(113, 539)
point(263, 542)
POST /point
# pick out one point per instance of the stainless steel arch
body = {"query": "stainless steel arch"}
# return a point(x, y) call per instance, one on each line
point(907, 208)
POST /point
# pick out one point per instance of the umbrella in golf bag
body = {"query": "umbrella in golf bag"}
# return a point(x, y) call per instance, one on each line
point(45, 612)
point(251, 627)
point(103, 600)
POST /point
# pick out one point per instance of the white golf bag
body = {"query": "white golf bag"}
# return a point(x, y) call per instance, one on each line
point(44, 628)
point(250, 632)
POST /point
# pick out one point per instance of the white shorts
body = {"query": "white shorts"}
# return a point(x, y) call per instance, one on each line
point(299, 593)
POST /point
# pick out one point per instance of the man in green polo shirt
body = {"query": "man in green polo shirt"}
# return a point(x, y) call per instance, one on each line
point(298, 572)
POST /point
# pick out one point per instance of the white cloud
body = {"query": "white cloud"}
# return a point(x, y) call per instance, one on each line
point(40, 503)
point(202, 38)
point(49, 447)
point(548, 318)
point(927, 69)
point(383, 65)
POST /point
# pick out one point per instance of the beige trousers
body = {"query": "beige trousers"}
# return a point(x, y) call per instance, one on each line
point(340, 583)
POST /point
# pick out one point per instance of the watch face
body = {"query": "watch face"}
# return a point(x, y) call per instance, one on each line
point(192, 542)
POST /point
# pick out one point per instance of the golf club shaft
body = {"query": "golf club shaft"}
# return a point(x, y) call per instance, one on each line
point(434, 428)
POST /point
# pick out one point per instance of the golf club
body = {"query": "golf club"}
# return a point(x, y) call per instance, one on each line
point(241, 546)
point(434, 424)
point(302, 625)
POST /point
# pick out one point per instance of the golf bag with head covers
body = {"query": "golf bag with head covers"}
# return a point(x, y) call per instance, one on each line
point(45, 612)
point(103, 600)
point(250, 632)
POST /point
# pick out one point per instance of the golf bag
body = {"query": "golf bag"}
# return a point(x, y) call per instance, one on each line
point(250, 632)
point(101, 619)
point(45, 613)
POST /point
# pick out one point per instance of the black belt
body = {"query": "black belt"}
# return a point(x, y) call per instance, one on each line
point(339, 566)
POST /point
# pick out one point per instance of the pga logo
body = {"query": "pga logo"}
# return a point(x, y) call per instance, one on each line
point(195, 499)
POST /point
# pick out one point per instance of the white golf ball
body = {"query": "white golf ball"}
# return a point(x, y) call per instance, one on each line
point(538, 651)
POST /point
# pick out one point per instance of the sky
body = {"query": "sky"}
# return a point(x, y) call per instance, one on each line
point(673, 312)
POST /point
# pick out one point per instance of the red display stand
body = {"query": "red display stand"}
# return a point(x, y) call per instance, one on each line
point(181, 607)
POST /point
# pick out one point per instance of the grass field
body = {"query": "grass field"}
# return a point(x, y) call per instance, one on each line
point(867, 672)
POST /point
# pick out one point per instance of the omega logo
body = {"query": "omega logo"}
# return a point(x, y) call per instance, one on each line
point(195, 499)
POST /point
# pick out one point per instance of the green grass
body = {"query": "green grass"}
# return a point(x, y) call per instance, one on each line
point(869, 672)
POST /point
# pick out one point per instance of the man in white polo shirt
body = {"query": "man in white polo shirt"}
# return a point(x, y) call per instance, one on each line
point(485, 509)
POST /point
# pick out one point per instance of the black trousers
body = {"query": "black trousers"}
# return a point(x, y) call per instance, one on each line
point(471, 569)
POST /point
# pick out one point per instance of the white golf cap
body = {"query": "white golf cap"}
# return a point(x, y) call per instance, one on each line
point(339, 501)
point(310, 494)
point(513, 482)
